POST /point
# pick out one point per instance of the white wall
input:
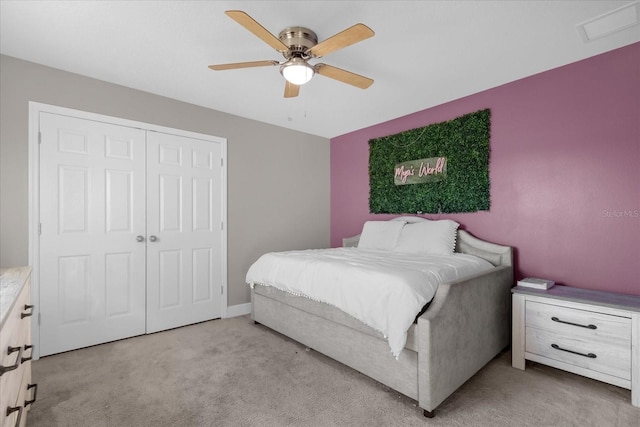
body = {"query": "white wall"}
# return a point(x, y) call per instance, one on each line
point(278, 180)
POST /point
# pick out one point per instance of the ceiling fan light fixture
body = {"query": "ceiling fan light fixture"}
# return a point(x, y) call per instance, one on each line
point(296, 71)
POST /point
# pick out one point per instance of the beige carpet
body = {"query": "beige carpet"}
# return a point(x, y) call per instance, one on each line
point(233, 373)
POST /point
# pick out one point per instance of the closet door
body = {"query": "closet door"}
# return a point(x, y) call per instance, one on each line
point(184, 231)
point(92, 208)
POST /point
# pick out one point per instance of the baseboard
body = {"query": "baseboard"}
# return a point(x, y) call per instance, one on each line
point(238, 310)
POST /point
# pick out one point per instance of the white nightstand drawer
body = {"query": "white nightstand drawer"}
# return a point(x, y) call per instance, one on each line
point(587, 325)
point(600, 357)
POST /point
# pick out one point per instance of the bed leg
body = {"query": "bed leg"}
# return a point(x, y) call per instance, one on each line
point(429, 414)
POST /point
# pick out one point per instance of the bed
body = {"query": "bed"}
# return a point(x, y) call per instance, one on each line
point(463, 325)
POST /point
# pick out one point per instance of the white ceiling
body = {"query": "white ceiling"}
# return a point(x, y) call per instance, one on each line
point(424, 53)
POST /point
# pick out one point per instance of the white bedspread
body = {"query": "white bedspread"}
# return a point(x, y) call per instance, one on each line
point(384, 290)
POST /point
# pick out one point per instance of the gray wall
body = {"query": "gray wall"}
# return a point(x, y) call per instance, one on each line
point(278, 180)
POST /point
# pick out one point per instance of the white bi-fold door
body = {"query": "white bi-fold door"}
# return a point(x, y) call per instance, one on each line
point(130, 231)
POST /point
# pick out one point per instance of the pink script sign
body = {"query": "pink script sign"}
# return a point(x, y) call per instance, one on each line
point(421, 171)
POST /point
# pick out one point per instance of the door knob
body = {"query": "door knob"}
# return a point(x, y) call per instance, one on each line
point(139, 238)
point(152, 238)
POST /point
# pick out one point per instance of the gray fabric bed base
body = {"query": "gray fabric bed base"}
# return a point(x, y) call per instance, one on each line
point(354, 347)
point(466, 325)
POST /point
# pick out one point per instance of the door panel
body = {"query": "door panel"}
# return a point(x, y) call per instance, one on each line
point(170, 278)
point(119, 287)
point(170, 203)
point(202, 270)
point(119, 201)
point(73, 203)
point(73, 278)
point(184, 193)
point(92, 270)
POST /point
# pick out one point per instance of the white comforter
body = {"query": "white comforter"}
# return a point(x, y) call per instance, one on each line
point(385, 290)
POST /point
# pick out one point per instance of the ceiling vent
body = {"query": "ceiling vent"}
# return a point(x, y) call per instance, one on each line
point(611, 22)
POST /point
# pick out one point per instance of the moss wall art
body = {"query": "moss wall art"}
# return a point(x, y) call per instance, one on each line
point(440, 168)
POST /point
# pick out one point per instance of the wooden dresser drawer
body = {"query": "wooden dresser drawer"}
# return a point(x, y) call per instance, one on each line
point(16, 330)
point(580, 324)
point(593, 355)
point(16, 351)
point(15, 334)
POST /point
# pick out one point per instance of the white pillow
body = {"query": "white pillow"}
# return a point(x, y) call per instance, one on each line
point(410, 219)
point(381, 235)
point(428, 238)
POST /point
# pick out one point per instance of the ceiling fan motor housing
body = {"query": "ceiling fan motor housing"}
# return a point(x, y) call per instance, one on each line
point(298, 40)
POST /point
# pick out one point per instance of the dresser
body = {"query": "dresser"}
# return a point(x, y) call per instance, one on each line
point(591, 333)
point(17, 393)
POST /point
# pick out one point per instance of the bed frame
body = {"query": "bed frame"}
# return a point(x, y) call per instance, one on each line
point(466, 325)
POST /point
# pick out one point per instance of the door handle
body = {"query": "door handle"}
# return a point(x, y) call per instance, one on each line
point(139, 238)
point(153, 238)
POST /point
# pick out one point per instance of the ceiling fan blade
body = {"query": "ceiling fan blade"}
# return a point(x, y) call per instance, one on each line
point(252, 25)
point(291, 90)
point(344, 76)
point(235, 65)
point(345, 38)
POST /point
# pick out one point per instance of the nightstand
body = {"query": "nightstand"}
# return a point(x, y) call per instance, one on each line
point(591, 333)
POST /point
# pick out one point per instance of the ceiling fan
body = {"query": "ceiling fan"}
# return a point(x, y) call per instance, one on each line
point(298, 45)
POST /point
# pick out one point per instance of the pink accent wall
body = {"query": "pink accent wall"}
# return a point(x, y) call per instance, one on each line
point(565, 171)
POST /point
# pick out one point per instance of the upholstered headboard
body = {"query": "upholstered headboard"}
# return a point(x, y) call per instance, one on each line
point(492, 252)
point(467, 244)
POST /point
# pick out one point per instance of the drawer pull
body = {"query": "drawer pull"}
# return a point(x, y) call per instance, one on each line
point(10, 350)
point(26, 359)
point(25, 313)
point(35, 392)
point(12, 409)
point(589, 326)
point(589, 355)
